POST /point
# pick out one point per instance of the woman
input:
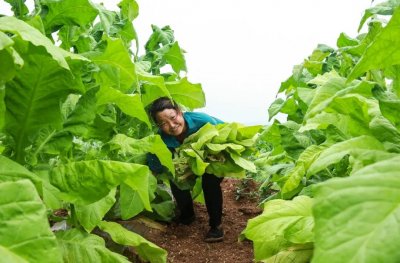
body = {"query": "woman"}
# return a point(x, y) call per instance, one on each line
point(175, 126)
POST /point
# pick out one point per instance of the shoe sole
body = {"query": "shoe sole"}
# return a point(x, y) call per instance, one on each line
point(213, 239)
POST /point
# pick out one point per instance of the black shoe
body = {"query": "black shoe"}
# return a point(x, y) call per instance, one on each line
point(215, 234)
point(185, 220)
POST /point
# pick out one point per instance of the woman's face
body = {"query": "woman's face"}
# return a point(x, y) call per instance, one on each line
point(171, 122)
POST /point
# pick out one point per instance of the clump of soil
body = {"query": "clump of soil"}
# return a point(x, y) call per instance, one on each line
point(185, 243)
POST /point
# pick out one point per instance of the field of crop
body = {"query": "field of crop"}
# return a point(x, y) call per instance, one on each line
point(75, 136)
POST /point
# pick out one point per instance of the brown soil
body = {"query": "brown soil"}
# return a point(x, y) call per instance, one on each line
point(185, 243)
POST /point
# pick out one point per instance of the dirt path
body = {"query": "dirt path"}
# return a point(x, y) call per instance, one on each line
point(185, 243)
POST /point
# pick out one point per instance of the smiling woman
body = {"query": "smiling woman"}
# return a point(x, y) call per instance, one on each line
point(175, 126)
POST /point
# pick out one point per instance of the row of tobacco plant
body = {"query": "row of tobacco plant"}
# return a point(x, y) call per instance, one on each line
point(74, 131)
point(333, 166)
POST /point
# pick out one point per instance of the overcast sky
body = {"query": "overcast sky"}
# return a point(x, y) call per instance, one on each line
point(241, 50)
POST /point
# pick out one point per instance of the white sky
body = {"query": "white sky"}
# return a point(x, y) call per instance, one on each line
point(241, 50)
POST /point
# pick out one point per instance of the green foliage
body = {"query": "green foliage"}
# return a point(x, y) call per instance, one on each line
point(127, 146)
point(79, 246)
point(22, 209)
point(339, 146)
point(365, 211)
point(145, 249)
point(289, 225)
point(73, 114)
point(216, 149)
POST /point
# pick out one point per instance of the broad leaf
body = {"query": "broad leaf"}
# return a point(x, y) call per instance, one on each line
point(25, 230)
point(31, 34)
point(362, 226)
point(364, 150)
point(12, 171)
point(79, 246)
point(34, 96)
point(90, 215)
point(383, 51)
point(116, 67)
point(159, 36)
point(296, 253)
point(385, 8)
point(174, 57)
point(282, 225)
point(145, 249)
point(153, 144)
point(72, 12)
point(83, 113)
point(188, 94)
point(332, 88)
point(86, 182)
point(129, 9)
point(130, 104)
point(8, 256)
point(295, 175)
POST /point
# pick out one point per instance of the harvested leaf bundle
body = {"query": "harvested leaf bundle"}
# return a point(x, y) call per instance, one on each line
point(216, 149)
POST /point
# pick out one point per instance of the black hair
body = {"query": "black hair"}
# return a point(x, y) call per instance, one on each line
point(161, 104)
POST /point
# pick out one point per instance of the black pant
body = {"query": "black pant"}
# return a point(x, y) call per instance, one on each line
point(212, 195)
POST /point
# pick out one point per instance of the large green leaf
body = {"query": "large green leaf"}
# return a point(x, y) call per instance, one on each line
point(153, 144)
point(296, 253)
point(188, 94)
point(205, 134)
point(24, 228)
point(362, 225)
point(78, 246)
point(383, 51)
point(217, 149)
point(34, 96)
point(348, 125)
point(389, 106)
point(130, 203)
point(71, 12)
point(8, 256)
point(12, 171)
point(385, 8)
point(174, 56)
point(86, 182)
point(90, 215)
point(116, 67)
point(31, 34)
point(82, 114)
point(159, 36)
point(107, 17)
point(140, 184)
point(129, 9)
point(242, 162)
point(197, 164)
point(145, 249)
point(130, 104)
point(295, 175)
point(153, 86)
point(282, 225)
point(333, 87)
point(364, 150)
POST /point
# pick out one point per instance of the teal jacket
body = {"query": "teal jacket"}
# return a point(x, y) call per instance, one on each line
point(194, 121)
